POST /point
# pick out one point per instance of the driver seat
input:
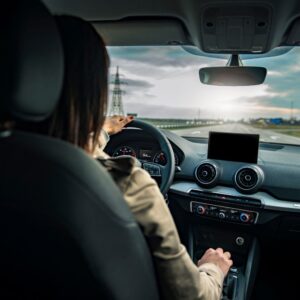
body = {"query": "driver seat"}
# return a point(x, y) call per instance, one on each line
point(66, 232)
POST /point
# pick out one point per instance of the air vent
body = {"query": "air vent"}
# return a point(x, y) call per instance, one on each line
point(207, 173)
point(248, 179)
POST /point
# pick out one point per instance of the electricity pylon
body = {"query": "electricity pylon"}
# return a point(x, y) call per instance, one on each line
point(116, 107)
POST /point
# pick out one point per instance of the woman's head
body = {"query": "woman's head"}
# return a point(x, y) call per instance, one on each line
point(83, 102)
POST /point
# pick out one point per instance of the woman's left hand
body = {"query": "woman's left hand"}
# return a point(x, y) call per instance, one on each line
point(115, 124)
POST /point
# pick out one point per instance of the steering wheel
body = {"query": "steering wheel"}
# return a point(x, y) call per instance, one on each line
point(155, 170)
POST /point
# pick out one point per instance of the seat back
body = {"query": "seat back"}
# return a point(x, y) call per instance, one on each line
point(66, 232)
point(65, 229)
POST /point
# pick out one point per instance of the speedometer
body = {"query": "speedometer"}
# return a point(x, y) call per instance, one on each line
point(124, 150)
point(160, 158)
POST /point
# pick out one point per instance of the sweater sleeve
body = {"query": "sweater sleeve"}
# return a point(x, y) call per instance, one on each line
point(178, 276)
point(103, 140)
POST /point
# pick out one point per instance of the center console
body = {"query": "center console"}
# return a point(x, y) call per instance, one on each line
point(220, 219)
point(222, 215)
point(244, 249)
point(245, 200)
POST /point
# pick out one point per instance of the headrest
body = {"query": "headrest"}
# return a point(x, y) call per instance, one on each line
point(31, 62)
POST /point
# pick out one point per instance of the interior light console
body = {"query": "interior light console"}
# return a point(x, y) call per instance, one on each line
point(236, 26)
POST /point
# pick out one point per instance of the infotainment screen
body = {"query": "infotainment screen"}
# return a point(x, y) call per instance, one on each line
point(233, 146)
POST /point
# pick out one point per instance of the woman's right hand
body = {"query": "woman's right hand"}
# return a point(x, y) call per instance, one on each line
point(115, 124)
point(218, 257)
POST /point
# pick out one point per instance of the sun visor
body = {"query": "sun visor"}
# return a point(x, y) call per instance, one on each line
point(143, 32)
point(293, 38)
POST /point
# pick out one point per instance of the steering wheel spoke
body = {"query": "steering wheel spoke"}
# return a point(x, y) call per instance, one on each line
point(165, 173)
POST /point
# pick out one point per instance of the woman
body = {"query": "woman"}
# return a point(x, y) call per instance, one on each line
point(79, 118)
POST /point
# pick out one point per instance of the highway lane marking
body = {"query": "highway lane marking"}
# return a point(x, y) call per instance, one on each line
point(196, 132)
point(274, 137)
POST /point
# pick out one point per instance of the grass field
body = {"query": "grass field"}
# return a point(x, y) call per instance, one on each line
point(293, 130)
point(295, 133)
point(175, 124)
point(278, 127)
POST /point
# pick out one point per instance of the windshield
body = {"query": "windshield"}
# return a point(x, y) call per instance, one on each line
point(161, 85)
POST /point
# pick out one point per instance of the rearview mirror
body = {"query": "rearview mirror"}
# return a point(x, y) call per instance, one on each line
point(233, 76)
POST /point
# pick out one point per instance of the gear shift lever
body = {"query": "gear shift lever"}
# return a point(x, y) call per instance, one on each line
point(230, 285)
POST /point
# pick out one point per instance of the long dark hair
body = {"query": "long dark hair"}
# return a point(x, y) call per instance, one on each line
point(83, 104)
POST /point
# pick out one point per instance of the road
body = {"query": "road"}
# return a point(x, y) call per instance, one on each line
point(266, 135)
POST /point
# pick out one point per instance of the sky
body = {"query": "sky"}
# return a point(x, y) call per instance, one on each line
point(163, 82)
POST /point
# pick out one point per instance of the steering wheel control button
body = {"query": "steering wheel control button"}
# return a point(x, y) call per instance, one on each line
point(207, 173)
point(223, 213)
point(152, 169)
point(240, 241)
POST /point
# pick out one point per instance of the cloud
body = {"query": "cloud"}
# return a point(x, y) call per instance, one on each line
point(161, 111)
point(162, 56)
point(158, 61)
point(135, 83)
point(274, 73)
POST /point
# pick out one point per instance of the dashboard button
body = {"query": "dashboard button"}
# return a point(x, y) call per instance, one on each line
point(240, 241)
point(222, 215)
point(201, 210)
point(244, 217)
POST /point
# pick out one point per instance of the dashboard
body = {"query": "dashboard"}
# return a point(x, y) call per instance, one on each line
point(252, 192)
point(276, 167)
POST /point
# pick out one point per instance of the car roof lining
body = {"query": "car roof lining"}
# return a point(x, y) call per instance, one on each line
point(163, 22)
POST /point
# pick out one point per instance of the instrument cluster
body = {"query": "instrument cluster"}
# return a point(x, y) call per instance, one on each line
point(145, 154)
